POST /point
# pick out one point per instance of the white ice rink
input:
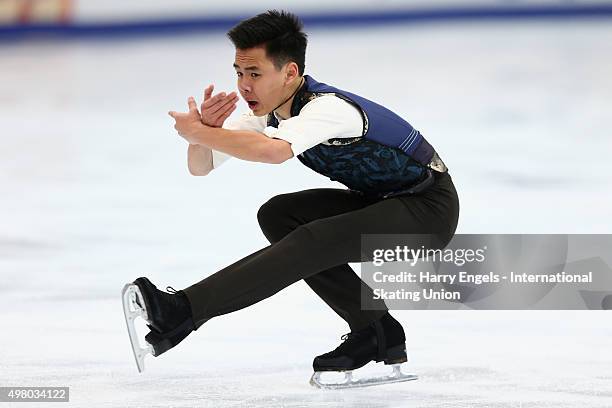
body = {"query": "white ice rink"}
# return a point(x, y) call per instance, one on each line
point(95, 192)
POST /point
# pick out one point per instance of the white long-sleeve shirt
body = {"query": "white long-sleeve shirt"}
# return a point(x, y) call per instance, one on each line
point(323, 118)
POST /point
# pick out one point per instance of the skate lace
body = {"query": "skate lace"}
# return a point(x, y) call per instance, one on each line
point(352, 335)
point(170, 289)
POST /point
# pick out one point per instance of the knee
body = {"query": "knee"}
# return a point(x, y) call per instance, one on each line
point(274, 220)
point(268, 213)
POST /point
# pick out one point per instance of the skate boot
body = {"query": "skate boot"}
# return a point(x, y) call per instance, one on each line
point(383, 340)
point(168, 316)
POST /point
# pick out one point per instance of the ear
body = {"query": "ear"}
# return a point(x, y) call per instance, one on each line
point(291, 72)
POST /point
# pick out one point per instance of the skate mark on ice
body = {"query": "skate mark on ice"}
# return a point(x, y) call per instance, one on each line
point(451, 374)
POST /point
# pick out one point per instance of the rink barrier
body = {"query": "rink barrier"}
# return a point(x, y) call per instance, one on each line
point(164, 27)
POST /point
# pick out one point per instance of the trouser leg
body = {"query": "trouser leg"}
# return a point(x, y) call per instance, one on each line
point(312, 248)
point(339, 287)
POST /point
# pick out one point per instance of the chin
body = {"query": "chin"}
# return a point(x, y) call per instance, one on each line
point(258, 111)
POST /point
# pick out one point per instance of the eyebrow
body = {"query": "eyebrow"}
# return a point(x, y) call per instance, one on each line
point(251, 68)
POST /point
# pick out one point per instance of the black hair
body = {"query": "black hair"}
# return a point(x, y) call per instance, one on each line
point(279, 32)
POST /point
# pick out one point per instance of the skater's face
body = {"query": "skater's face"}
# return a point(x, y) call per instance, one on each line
point(262, 85)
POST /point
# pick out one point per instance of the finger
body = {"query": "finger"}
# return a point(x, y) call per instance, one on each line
point(192, 104)
point(222, 106)
point(214, 100)
point(229, 99)
point(228, 113)
point(224, 114)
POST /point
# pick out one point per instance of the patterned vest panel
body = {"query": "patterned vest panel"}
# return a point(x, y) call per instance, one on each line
point(389, 157)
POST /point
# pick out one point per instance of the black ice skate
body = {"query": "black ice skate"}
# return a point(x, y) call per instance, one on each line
point(168, 316)
point(383, 340)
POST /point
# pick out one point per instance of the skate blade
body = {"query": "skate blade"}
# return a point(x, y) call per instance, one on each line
point(396, 376)
point(132, 301)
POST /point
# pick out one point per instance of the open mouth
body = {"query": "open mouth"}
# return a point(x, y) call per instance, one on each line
point(253, 104)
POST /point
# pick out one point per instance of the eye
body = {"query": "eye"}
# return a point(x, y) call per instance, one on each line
point(239, 74)
point(254, 75)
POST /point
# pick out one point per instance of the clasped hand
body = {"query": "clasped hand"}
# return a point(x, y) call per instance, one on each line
point(214, 111)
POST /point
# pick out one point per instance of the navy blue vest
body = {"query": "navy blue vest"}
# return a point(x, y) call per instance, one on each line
point(390, 157)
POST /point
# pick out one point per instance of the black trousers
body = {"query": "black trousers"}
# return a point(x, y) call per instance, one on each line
point(313, 235)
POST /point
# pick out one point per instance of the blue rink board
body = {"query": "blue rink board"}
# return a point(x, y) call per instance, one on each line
point(327, 19)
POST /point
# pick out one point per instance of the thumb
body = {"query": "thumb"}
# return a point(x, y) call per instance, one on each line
point(173, 114)
point(192, 104)
point(208, 92)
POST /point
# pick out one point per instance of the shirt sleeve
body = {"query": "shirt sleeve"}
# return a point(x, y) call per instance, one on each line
point(323, 118)
point(246, 121)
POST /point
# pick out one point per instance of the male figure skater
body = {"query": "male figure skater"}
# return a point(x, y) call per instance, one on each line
point(397, 184)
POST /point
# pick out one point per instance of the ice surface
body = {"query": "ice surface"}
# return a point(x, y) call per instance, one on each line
point(95, 192)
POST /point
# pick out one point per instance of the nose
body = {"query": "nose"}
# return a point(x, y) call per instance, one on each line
point(244, 86)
